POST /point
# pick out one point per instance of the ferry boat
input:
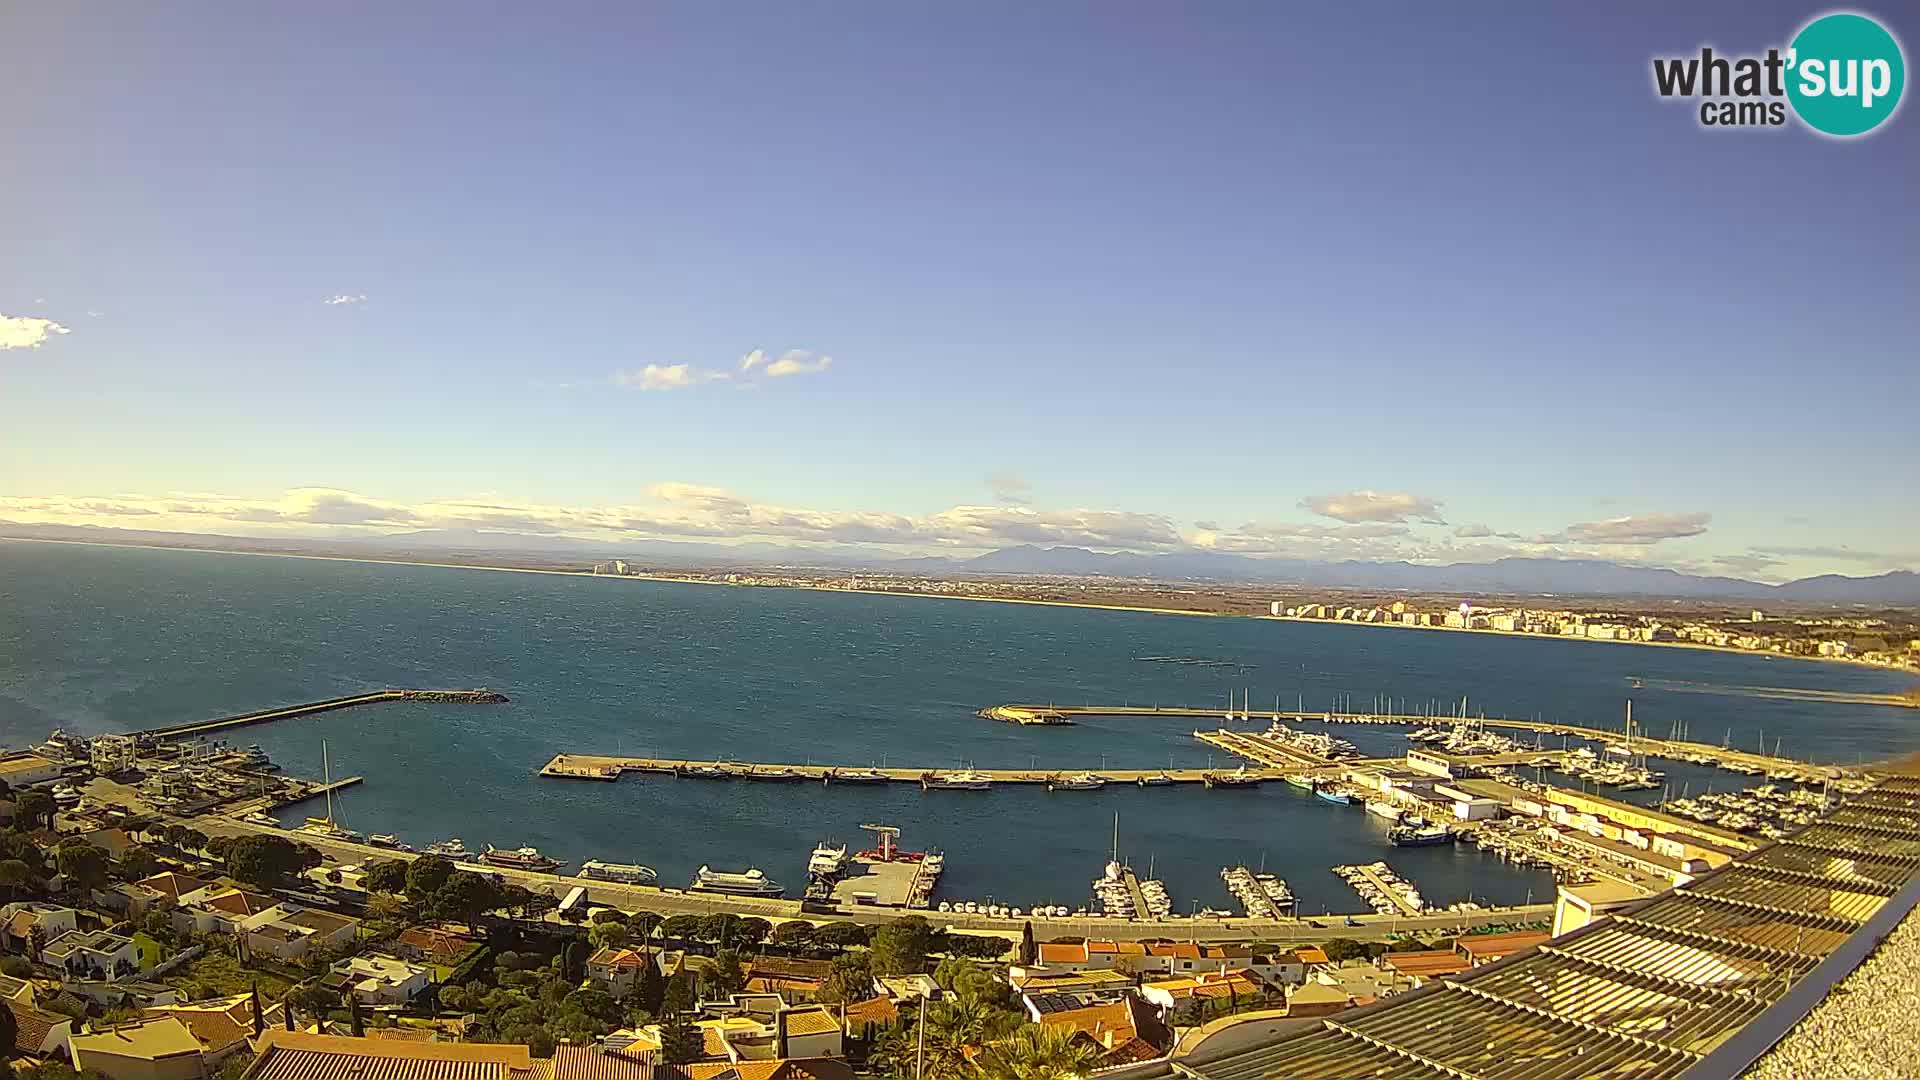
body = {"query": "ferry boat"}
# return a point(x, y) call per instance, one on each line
point(622, 873)
point(450, 848)
point(1077, 782)
point(749, 882)
point(777, 774)
point(827, 860)
point(854, 776)
point(1421, 836)
point(1158, 779)
point(1381, 808)
point(525, 858)
point(1334, 795)
point(964, 780)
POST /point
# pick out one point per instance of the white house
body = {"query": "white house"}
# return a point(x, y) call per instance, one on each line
point(379, 980)
point(96, 953)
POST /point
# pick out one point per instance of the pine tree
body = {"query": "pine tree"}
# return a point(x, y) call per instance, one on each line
point(1028, 950)
point(650, 989)
point(679, 996)
point(680, 1041)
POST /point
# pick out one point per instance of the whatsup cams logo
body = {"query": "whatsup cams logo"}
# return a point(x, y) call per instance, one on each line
point(1842, 76)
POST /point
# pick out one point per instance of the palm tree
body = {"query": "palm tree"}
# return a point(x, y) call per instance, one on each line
point(1038, 1052)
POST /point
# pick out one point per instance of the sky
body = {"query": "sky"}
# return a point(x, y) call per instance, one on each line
point(1443, 283)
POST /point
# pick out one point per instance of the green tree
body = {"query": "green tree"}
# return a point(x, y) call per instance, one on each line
point(680, 1041)
point(454, 997)
point(795, 934)
point(387, 876)
point(901, 946)
point(34, 809)
point(608, 935)
point(750, 932)
point(849, 935)
point(726, 976)
point(679, 995)
point(650, 986)
point(9, 1032)
point(969, 981)
point(848, 981)
point(609, 915)
point(1029, 952)
point(720, 928)
point(1342, 949)
point(82, 865)
point(465, 896)
point(425, 875)
point(218, 847)
point(15, 876)
point(1038, 1052)
point(644, 923)
point(136, 863)
point(681, 927)
point(263, 861)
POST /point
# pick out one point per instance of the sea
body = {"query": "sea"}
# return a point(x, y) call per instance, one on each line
point(99, 639)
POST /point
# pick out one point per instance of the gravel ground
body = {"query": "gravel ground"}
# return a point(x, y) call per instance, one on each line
point(1868, 1028)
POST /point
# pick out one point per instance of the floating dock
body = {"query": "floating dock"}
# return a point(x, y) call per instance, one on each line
point(600, 767)
point(289, 712)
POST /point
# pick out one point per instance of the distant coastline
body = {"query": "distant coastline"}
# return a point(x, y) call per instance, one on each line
point(1141, 609)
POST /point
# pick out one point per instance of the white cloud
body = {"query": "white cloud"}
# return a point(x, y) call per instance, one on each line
point(27, 331)
point(339, 299)
point(667, 377)
point(1636, 529)
point(798, 362)
point(754, 359)
point(1357, 506)
point(1472, 531)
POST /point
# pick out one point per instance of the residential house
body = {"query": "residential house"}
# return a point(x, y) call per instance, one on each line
point(94, 954)
point(1315, 998)
point(161, 1048)
point(291, 1055)
point(19, 921)
point(1420, 968)
point(599, 1063)
point(778, 1030)
point(1122, 1031)
point(616, 970)
point(218, 909)
point(793, 979)
point(1206, 991)
point(379, 980)
point(288, 931)
point(222, 1026)
point(13, 989)
point(37, 1032)
point(433, 945)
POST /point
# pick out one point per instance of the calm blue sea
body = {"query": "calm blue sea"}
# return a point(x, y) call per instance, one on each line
point(100, 639)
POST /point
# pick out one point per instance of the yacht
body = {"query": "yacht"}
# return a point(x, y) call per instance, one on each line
point(1237, 778)
point(781, 773)
point(66, 795)
point(381, 839)
point(1382, 808)
point(827, 860)
point(964, 780)
point(450, 848)
point(326, 829)
point(525, 858)
point(1300, 780)
point(1334, 795)
point(1158, 779)
point(621, 873)
point(704, 772)
point(1424, 835)
point(855, 776)
point(1077, 782)
point(749, 882)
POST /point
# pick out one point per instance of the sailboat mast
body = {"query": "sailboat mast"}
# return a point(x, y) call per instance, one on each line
point(326, 777)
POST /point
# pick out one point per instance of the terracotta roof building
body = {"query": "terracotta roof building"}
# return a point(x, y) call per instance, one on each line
point(293, 1055)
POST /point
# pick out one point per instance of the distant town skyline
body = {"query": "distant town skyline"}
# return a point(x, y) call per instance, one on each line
point(942, 282)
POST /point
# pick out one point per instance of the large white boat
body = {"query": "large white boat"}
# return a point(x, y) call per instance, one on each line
point(623, 873)
point(450, 848)
point(1085, 781)
point(964, 780)
point(827, 860)
point(525, 858)
point(854, 776)
point(749, 882)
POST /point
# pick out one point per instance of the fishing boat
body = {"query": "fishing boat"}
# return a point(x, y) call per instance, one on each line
point(827, 860)
point(964, 780)
point(525, 858)
point(1077, 782)
point(1334, 795)
point(781, 773)
point(621, 873)
point(386, 840)
point(703, 772)
point(1158, 779)
point(1300, 780)
point(749, 882)
point(1381, 808)
point(450, 848)
point(854, 776)
point(1420, 836)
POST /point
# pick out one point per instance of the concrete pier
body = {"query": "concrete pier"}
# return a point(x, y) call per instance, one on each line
point(288, 712)
point(600, 767)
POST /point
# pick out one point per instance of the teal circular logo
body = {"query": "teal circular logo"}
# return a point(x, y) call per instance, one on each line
point(1845, 74)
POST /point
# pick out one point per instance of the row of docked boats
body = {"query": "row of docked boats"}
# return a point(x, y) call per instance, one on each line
point(777, 774)
point(1315, 743)
point(1263, 895)
point(1385, 891)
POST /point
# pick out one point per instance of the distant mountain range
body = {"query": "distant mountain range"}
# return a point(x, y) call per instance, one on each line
point(1511, 577)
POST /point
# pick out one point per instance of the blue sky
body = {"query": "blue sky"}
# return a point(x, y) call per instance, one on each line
point(1125, 275)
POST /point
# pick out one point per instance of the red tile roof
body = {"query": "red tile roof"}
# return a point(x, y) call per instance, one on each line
point(31, 1026)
